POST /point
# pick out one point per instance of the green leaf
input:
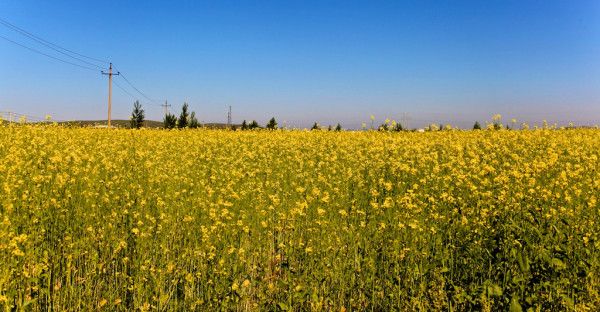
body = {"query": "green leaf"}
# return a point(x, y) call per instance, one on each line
point(558, 264)
point(494, 290)
point(283, 306)
point(523, 262)
point(515, 306)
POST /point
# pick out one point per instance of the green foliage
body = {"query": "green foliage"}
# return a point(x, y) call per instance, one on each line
point(253, 125)
point(315, 126)
point(477, 126)
point(398, 127)
point(194, 121)
point(137, 115)
point(244, 125)
point(169, 121)
point(338, 127)
point(183, 120)
point(272, 124)
point(384, 127)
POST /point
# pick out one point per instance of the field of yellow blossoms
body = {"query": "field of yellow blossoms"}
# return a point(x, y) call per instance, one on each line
point(156, 220)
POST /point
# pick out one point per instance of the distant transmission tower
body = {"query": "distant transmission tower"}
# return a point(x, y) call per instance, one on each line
point(229, 117)
point(405, 120)
point(166, 107)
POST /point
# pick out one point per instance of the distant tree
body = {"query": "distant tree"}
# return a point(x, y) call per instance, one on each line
point(315, 127)
point(137, 115)
point(338, 127)
point(194, 121)
point(329, 128)
point(384, 127)
point(477, 126)
point(183, 120)
point(170, 121)
point(272, 125)
point(398, 127)
point(244, 125)
point(253, 125)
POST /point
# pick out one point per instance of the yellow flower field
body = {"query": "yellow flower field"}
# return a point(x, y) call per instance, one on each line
point(97, 219)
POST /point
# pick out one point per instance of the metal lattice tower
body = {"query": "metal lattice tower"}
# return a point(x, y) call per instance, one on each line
point(229, 117)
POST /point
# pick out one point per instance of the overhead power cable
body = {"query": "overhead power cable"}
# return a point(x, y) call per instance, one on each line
point(136, 89)
point(45, 54)
point(129, 93)
point(124, 90)
point(53, 46)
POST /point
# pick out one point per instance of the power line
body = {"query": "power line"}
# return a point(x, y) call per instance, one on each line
point(58, 49)
point(129, 93)
point(51, 45)
point(48, 55)
point(136, 89)
point(123, 89)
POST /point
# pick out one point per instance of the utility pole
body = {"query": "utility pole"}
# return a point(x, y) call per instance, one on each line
point(229, 117)
point(110, 74)
point(166, 107)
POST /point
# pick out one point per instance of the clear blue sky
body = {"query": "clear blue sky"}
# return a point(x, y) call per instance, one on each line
point(305, 61)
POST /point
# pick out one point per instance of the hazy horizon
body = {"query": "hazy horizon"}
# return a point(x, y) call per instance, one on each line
point(304, 61)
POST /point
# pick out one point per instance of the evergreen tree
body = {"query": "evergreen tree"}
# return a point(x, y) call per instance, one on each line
point(170, 121)
point(253, 125)
point(338, 127)
point(329, 128)
point(183, 120)
point(315, 126)
point(272, 125)
point(244, 125)
point(477, 126)
point(137, 115)
point(398, 127)
point(384, 127)
point(194, 121)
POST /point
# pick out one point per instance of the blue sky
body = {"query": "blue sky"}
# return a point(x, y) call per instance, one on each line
point(305, 61)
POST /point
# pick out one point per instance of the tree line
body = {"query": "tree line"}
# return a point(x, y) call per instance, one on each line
point(189, 120)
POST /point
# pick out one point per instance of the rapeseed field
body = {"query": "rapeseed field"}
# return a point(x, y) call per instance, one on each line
point(187, 220)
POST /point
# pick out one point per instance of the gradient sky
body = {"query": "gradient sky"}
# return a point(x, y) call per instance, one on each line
point(305, 61)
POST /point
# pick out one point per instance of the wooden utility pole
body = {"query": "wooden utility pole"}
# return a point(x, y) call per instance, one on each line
point(110, 74)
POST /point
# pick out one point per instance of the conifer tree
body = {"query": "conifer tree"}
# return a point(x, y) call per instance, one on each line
point(272, 125)
point(137, 115)
point(170, 121)
point(194, 121)
point(183, 120)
